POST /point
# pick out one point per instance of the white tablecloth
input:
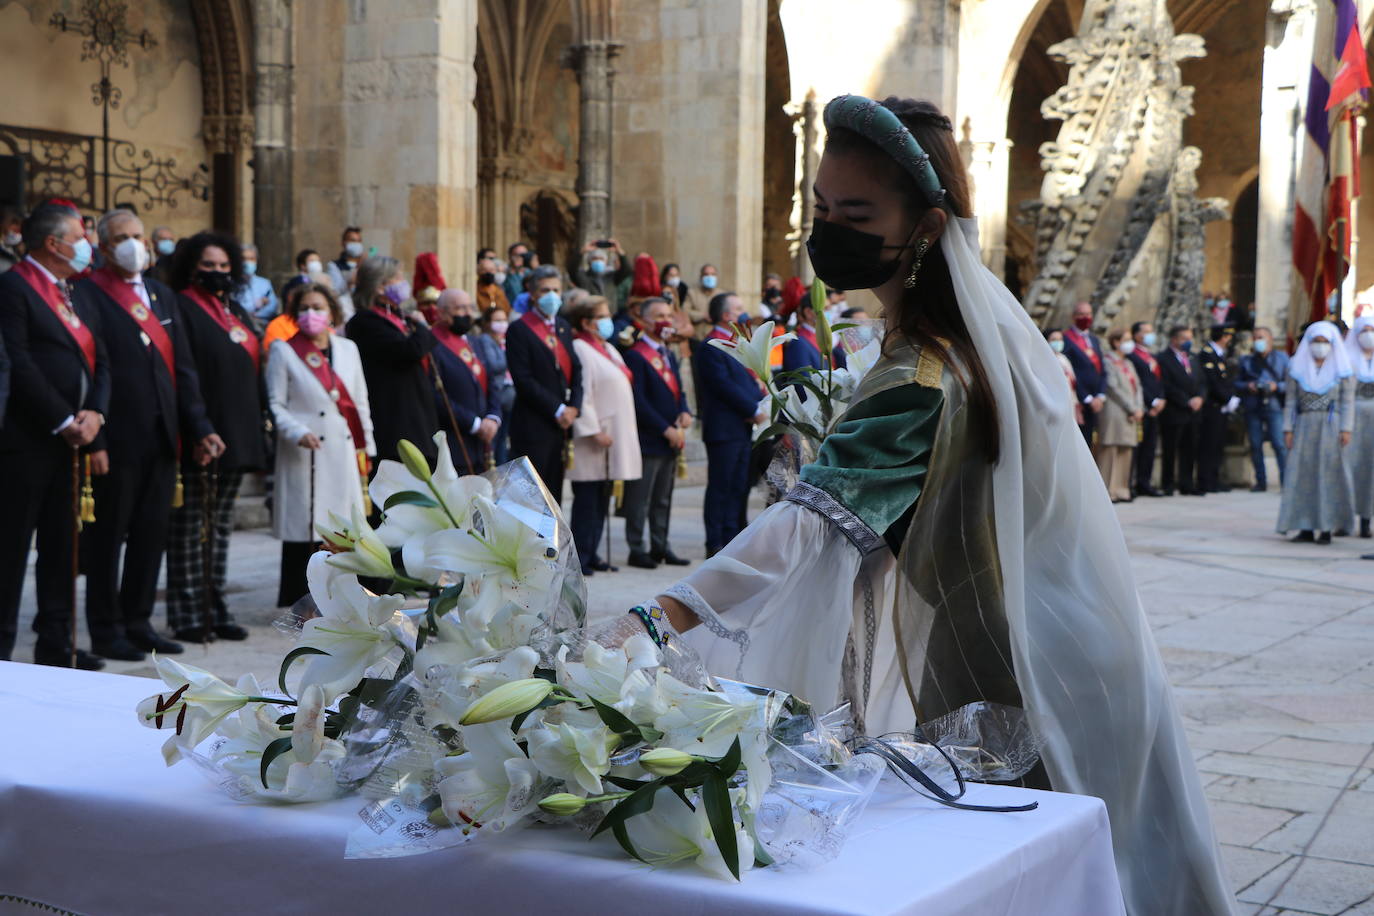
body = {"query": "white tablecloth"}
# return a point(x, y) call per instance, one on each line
point(91, 821)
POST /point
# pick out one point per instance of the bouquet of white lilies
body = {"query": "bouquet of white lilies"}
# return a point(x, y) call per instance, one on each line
point(468, 697)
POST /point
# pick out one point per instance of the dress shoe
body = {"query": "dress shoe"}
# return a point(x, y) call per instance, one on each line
point(1258, 488)
point(1364, 528)
point(195, 634)
point(1323, 538)
point(152, 641)
point(588, 572)
point(62, 658)
point(672, 559)
point(230, 631)
point(1167, 491)
point(1304, 537)
point(121, 650)
point(1149, 491)
point(641, 560)
point(603, 566)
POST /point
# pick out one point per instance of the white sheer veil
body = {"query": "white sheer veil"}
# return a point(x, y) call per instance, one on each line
point(1086, 663)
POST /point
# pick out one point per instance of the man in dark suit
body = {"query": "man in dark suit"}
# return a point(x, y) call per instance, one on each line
point(1260, 381)
point(804, 352)
point(61, 388)
point(156, 405)
point(1084, 351)
point(548, 380)
point(728, 401)
point(462, 399)
point(663, 418)
point(1182, 380)
point(395, 350)
point(1152, 396)
point(1216, 405)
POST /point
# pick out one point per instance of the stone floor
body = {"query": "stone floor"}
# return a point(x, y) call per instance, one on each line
point(1270, 646)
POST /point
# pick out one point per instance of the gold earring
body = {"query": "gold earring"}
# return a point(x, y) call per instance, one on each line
point(922, 246)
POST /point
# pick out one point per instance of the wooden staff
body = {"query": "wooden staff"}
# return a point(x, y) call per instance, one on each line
point(76, 541)
point(452, 420)
point(310, 525)
point(209, 486)
point(606, 489)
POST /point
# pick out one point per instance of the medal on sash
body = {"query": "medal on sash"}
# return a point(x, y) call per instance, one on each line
point(140, 312)
point(237, 334)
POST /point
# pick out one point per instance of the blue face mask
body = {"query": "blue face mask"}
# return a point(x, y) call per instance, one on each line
point(1261, 345)
point(598, 266)
point(81, 255)
point(549, 304)
point(165, 247)
point(708, 281)
point(605, 327)
point(250, 267)
point(1186, 346)
point(1150, 339)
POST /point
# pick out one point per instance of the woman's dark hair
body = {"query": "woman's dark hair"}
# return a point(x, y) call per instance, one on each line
point(186, 260)
point(583, 311)
point(929, 315)
point(298, 294)
point(304, 255)
point(663, 274)
point(486, 318)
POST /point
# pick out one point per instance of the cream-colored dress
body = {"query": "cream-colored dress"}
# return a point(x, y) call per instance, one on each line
point(608, 406)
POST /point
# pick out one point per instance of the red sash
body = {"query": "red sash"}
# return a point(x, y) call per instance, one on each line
point(1122, 366)
point(660, 364)
point(399, 324)
point(226, 319)
point(1150, 361)
point(596, 343)
point(458, 345)
point(324, 373)
point(1083, 343)
point(122, 292)
point(551, 340)
point(52, 296)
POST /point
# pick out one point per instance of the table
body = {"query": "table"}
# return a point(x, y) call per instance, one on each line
point(91, 821)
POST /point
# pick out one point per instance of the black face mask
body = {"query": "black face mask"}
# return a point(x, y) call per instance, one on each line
point(214, 281)
point(461, 324)
point(486, 279)
point(846, 258)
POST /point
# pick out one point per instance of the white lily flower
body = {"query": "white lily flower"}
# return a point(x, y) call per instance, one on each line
point(508, 701)
point(303, 773)
point(753, 352)
point(198, 702)
point(407, 525)
point(353, 628)
point(602, 674)
point(671, 832)
point(364, 553)
point(578, 756)
point(704, 722)
point(803, 411)
point(456, 689)
point(506, 552)
point(492, 784)
point(861, 362)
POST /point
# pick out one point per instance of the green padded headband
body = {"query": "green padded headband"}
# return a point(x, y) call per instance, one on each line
point(874, 122)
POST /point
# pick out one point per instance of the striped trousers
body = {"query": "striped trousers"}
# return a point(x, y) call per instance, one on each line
point(204, 522)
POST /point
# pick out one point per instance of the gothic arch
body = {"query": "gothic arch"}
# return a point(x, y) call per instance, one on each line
point(224, 31)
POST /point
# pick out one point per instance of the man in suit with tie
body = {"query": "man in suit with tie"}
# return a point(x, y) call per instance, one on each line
point(663, 418)
point(464, 384)
point(1084, 351)
point(156, 406)
point(1218, 391)
point(61, 394)
point(1182, 380)
point(1152, 396)
point(548, 380)
point(728, 400)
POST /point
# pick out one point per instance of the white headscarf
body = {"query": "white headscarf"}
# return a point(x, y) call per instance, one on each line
point(1337, 366)
point(1362, 362)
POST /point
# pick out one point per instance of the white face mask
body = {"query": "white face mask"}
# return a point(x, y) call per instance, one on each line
point(1320, 350)
point(13, 239)
point(1366, 339)
point(131, 255)
point(1127, 347)
point(313, 267)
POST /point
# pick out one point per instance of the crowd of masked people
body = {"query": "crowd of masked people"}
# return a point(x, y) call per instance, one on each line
point(145, 375)
point(1138, 395)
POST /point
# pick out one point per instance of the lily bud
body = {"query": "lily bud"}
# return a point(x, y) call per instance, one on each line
point(563, 804)
point(824, 342)
point(665, 761)
point(508, 700)
point(414, 462)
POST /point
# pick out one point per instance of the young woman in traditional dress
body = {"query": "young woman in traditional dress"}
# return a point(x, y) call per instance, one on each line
point(951, 543)
point(319, 403)
point(1318, 417)
point(1359, 344)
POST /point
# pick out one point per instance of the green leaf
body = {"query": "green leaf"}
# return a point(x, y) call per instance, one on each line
point(729, 764)
point(410, 498)
point(519, 720)
point(621, 782)
point(622, 836)
point(761, 857)
point(638, 803)
point(298, 652)
point(270, 753)
point(777, 429)
point(844, 325)
point(616, 721)
point(721, 816)
point(286, 720)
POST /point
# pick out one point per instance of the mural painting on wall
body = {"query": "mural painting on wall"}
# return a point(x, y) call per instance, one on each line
point(97, 171)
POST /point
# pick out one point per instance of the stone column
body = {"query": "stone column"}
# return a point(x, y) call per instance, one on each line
point(592, 62)
point(272, 203)
point(1287, 57)
point(989, 164)
point(808, 126)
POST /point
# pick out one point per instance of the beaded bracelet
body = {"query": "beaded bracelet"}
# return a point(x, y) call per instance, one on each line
point(650, 616)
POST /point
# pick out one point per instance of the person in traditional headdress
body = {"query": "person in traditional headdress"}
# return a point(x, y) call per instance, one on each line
point(1318, 419)
point(943, 548)
point(428, 283)
point(1359, 344)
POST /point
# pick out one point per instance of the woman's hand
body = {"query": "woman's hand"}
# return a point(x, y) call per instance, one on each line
point(309, 440)
point(1288, 440)
point(603, 439)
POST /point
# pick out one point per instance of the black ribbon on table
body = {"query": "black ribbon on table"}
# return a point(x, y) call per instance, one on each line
point(898, 763)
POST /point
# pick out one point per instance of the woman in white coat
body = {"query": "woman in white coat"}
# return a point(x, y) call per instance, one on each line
point(605, 437)
point(318, 398)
